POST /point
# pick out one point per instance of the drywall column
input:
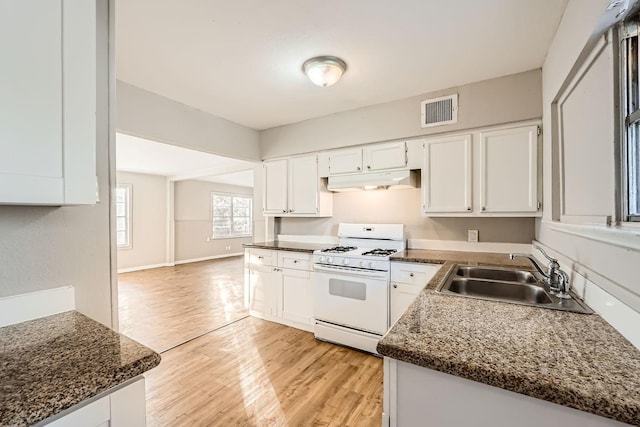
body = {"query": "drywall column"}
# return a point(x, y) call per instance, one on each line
point(171, 224)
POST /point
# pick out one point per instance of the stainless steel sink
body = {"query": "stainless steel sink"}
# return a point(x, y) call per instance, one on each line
point(506, 285)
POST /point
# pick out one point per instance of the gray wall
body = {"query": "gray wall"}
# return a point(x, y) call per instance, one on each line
point(615, 263)
point(47, 247)
point(506, 99)
point(503, 100)
point(192, 200)
point(148, 220)
point(403, 206)
point(148, 115)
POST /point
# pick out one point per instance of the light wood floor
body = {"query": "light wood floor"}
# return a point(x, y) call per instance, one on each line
point(258, 373)
point(167, 306)
point(240, 371)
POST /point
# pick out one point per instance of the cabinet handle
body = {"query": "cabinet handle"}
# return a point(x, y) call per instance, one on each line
point(358, 168)
point(291, 211)
point(469, 208)
point(395, 286)
point(260, 257)
point(284, 211)
point(295, 261)
point(410, 274)
point(368, 166)
point(484, 209)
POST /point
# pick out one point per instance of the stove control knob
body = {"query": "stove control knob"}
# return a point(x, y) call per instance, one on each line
point(329, 260)
point(322, 259)
point(346, 261)
point(363, 264)
point(373, 264)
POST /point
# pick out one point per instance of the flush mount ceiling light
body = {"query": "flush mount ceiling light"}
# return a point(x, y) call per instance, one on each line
point(324, 70)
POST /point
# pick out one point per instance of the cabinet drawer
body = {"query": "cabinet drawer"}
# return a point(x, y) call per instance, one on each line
point(262, 257)
point(297, 260)
point(413, 273)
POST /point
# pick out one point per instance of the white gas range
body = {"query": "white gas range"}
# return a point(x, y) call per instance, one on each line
point(351, 284)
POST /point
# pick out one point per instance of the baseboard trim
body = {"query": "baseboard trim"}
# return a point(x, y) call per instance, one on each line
point(456, 245)
point(144, 267)
point(208, 258)
point(33, 305)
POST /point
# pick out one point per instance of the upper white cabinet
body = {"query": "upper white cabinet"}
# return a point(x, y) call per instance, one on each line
point(374, 157)
point(292, 188)
point(446, 175)
point(509, 170)
point(48, 102)
point(487, 173)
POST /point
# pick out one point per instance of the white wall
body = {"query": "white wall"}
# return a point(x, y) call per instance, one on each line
point(148, 221)
point(47, 247)
point(403, 206)
point(148, 115)
point(193, 241)
point(610, 266)
point(502, 100)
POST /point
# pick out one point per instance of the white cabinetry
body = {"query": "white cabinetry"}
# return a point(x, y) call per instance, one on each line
point(509, 170)
point(280, 286)
point(373, 157)
point(297, 292)
point(413, 394)
point(407, 280)
point(264, 282)
point(48, 102)
point(292, 187)
point(446, 175)
point(122, 407)
point(486, 173)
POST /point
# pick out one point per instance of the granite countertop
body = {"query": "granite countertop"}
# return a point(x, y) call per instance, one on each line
point(50, 364)
point(575, 360)
point(430, 256)
point(288, 246)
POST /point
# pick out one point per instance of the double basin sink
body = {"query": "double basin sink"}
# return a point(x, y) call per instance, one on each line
point(506, 285)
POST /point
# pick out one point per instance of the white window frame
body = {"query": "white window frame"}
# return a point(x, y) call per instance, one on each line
point(128, 212)
point(232, 195)
point(629, 150)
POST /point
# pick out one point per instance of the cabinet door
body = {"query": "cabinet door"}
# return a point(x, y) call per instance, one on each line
point(402, 295)
point(345, 161)
point(509, 170)
point(47, 116)
point(384, 156)
point(275, 186)
point(264, 284)
point(297, 296)
point(31, 165)
point(303, 185)
point(446, 175)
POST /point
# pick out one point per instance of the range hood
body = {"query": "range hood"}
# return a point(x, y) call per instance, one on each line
point(373, 180)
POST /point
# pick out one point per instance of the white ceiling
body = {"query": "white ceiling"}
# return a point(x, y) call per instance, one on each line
point(241, 59)
point(144, 156)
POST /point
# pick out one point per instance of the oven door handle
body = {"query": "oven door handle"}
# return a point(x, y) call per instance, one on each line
point(350, 271)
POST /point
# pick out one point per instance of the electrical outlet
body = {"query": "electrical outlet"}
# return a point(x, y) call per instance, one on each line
point(208, 239)
point(472, 235)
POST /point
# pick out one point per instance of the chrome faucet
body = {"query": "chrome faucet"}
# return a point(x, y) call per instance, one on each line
point(554, 277)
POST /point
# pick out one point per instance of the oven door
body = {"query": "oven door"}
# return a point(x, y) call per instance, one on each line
point(350, 300)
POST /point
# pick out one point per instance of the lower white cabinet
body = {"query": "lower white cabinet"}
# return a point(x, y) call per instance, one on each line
point(407, 280)
point(413, 394)
point(124, 407)
point(280, 286)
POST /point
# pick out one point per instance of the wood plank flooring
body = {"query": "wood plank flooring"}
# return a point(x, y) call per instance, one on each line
point(167, 306)
point(258, 373)
point(239, 371)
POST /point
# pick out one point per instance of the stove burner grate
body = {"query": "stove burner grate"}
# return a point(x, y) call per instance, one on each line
point(339, 249)
point(380, 252)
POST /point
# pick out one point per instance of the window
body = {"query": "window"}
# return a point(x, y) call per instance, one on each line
point(123, 216)
point(630, 153)
point(232, 215)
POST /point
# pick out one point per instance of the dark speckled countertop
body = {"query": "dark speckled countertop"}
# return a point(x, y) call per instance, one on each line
point(575, 360)
point(49, 364)
point(288, 246)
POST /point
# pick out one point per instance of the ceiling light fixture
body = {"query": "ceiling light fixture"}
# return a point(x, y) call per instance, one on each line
point(324, 70)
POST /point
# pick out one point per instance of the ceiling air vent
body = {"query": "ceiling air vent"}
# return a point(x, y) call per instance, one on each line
point(439, 111)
